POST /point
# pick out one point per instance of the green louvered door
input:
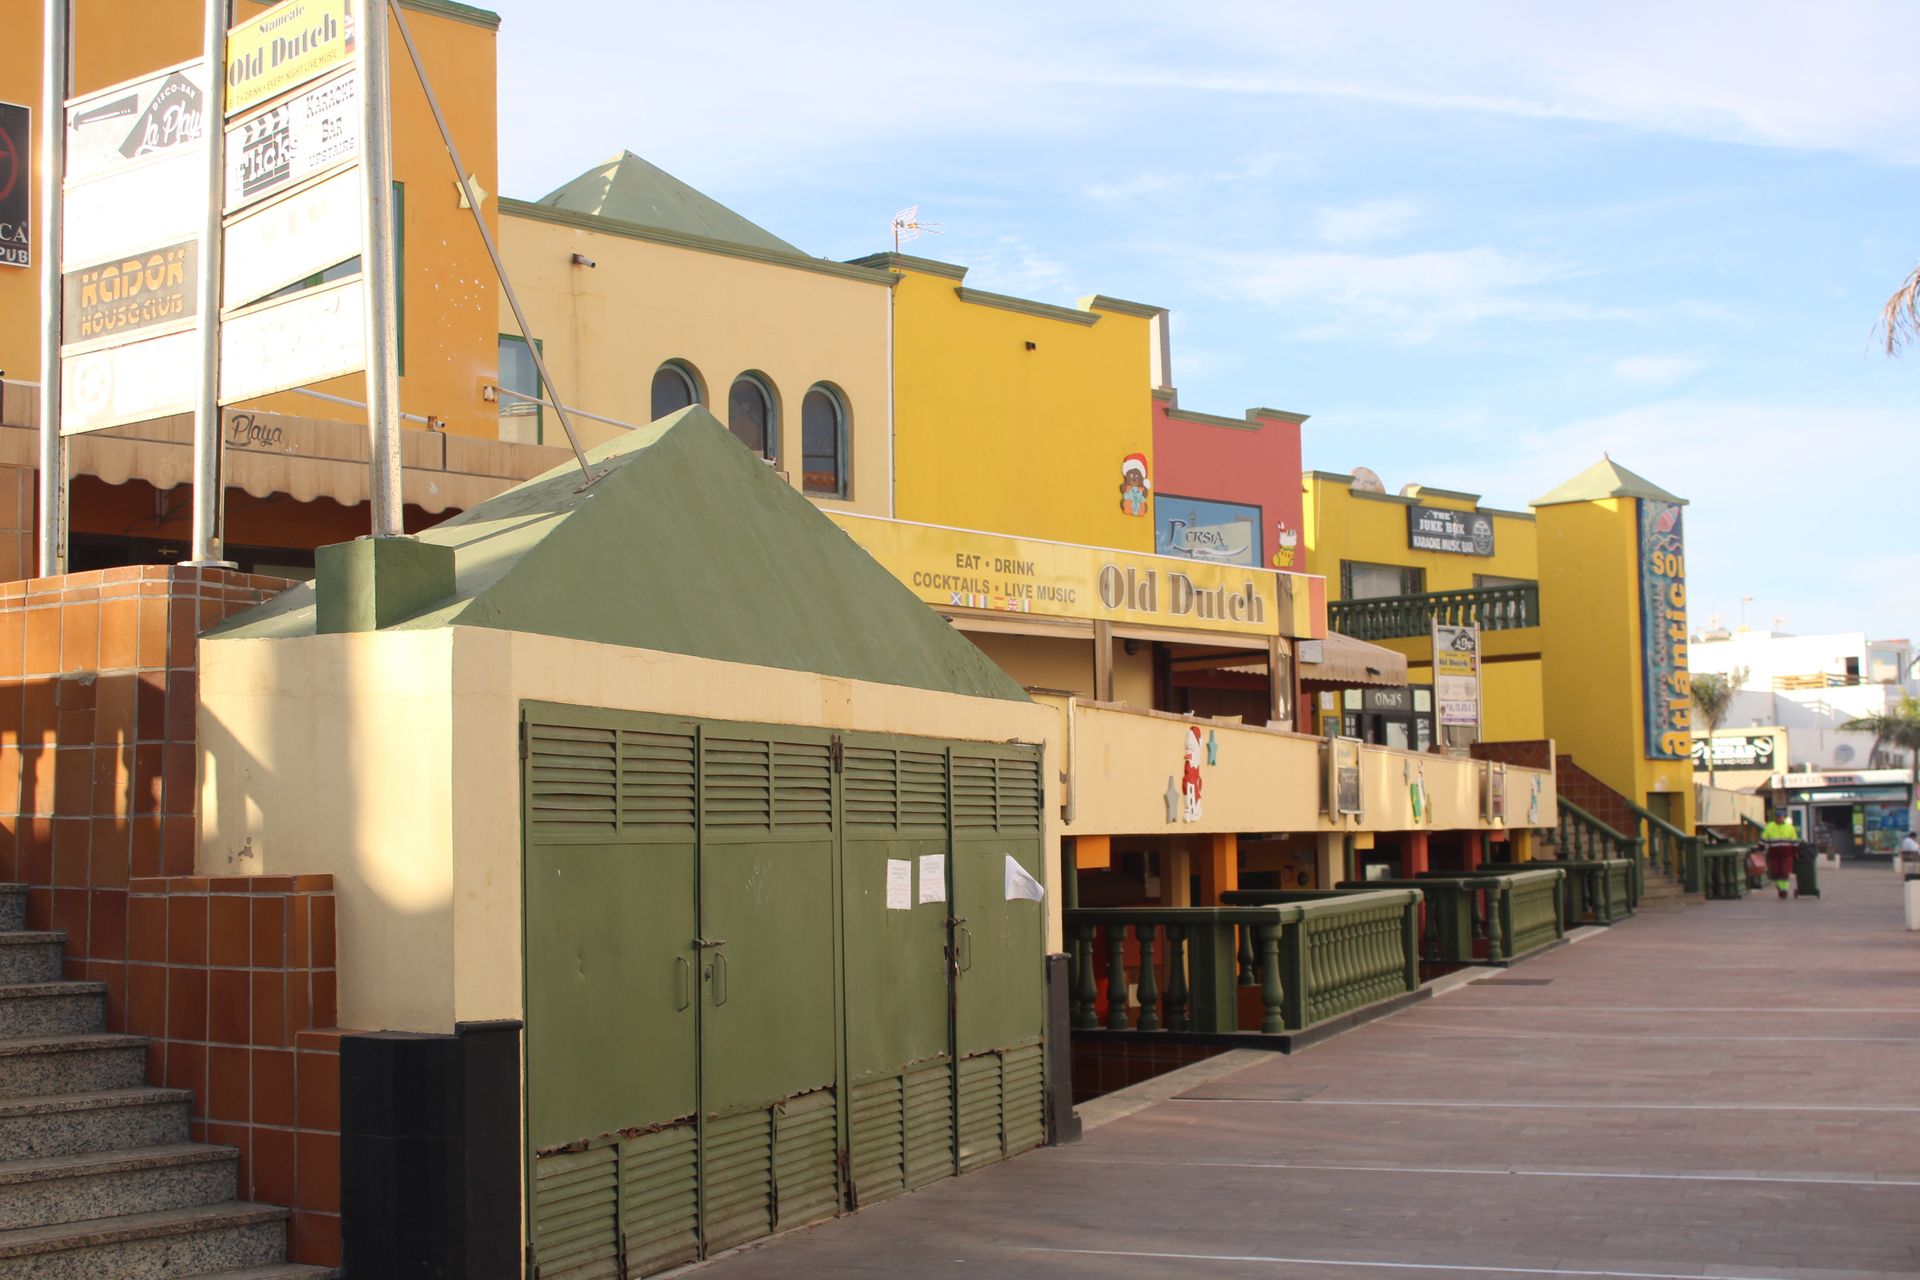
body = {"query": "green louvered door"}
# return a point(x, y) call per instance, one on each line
point(898, 980)
point(999, 997)
point(611, 1017)
point(768, 1015)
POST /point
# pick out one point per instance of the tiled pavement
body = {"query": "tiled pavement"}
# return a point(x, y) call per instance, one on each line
point(1727, 1089)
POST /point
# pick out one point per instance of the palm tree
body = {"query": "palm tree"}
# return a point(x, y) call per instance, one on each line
point(1900, 317)
point(1899, 727)
point(1712, 698)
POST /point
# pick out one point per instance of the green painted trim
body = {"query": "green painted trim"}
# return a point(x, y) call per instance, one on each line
point(1395, 498)
point(1214, 420)
point(1120, 306)
point(1332, 477)
point(907, 262)
point(1166, 393)
point(1285, 415)
point(510, 208)
point(1025, 306)
point(458, 12)
point(1528, 516)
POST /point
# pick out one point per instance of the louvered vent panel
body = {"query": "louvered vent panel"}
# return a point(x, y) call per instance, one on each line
point(929, 1124)
point(656, 780)
point(1018, 795)
point(869, 784)
point(660, 1199)
point(737, 783)
point(802, 786)
point(923, 789)
point(981, 1140)
point(1023, 1097)
point(878, 1156)
point(572, 778)
point(975, 793)
point(576, 1214)
point(739, 1179)
point(806, 1159)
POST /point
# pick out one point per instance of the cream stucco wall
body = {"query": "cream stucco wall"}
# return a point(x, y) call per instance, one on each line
point(390, 760)
point(604, 330)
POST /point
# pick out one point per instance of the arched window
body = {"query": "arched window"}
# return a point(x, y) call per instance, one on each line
point(675, 386)
point(823, 443)
point(751, 416)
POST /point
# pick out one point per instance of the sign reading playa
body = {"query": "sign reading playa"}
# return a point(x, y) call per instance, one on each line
point(286, 46)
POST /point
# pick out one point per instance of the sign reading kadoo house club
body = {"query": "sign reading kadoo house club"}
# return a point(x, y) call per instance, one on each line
point(16, 202)
point(1462, 533)
point(1663, 631)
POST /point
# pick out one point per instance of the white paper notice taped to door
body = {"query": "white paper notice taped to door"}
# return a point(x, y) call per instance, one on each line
point(933, 877)
point(1022, 885)
point(899, 884)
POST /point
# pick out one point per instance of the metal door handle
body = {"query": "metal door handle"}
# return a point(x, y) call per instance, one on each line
point(686, 979)
point(967, 950)
point(719, 979)
point(700, 944)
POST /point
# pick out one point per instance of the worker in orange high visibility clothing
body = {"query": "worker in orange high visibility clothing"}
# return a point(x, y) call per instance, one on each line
point(1783, 842)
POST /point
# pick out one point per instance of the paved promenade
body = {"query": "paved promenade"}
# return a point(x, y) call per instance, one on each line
point(1726, 1089)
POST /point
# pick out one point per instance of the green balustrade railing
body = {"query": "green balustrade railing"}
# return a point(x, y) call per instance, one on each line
point(1483, 919)
point(1597, 890)
point(1723, 869)
point(1402, 617)
point(1583, 837)
point(1671, 849)
point(1311, 958)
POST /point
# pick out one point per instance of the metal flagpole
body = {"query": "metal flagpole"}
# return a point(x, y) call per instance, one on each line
point(376, 274)
point(209, 486)
point(55, 69)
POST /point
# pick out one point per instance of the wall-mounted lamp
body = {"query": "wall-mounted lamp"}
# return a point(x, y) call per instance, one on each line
point(1132, 647)
point(1033, 346)
point(582, 260)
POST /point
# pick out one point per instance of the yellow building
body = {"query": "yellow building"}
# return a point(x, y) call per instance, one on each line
point(1394, 561)
point(128, 501)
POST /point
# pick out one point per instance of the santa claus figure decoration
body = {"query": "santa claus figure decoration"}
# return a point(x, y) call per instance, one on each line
point(1190, 775)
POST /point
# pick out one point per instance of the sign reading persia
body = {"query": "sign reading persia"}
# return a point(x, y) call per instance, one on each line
point(16, 133)
point(285, 47)
point(1461, 533)
point(1200, 529)
point(1663, 631)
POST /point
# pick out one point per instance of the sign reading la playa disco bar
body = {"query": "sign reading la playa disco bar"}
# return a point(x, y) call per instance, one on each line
point(1461, 533)
point(284, 47)
point(1663, 631)
point(960, 569)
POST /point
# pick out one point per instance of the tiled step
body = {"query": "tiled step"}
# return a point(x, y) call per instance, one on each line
point(165, 1245)
point(33, 1066)
point(277, 1271)
point(51, 1008)
point(13, 906)
point(30, 957)
point(82, 1123)
point(62, 1189)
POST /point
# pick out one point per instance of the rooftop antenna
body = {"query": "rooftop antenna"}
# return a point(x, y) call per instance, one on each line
point(1744, 602)
point(907, 226)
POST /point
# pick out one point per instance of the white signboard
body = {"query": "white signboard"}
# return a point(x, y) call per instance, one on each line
point(132, 212)
point(1456, 675)
point(305, 338)
point(272, 150)
point(129, 383)
point(136, 167)
point(287, 240)
point(156, 116)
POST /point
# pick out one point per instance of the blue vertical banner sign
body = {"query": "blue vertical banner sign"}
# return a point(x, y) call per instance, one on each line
point(1663, 631)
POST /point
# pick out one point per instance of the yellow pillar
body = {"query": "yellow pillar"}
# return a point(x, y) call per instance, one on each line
point(1520, 845)
point(1219, 868)
point(1176, 876)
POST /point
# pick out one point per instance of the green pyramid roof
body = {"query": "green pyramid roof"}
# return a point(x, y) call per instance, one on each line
point(1606, 479)
point(686, 543)
point(628, 189)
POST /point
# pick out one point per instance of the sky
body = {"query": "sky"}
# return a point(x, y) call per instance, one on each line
point(1479, 243)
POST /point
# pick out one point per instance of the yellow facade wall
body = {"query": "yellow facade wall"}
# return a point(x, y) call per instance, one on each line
point(344, 754)
point(1063, 663)
point(449, 294)
point(1590, 636)
point(1015, 421)
point(1372, 528)
point(605, 330)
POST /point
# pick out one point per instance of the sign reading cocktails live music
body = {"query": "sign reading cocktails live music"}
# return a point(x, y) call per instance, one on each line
point(284, 47)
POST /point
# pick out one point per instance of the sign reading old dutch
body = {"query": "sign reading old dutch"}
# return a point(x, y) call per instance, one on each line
point(284, 47)
point(955, 568)
point(1456, 674)
point(16, 203)
point(286, 143)
point(1464, 533)
point(1663, 631)
point(133, 293)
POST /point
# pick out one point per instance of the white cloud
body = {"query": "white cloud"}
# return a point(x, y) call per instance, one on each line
point(1364, 223)
point(1657, 371)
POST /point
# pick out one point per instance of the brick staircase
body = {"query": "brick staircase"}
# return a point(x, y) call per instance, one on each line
point(98, 1180)
point(1609, 806)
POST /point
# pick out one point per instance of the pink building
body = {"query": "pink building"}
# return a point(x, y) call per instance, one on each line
point(1227, 489)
